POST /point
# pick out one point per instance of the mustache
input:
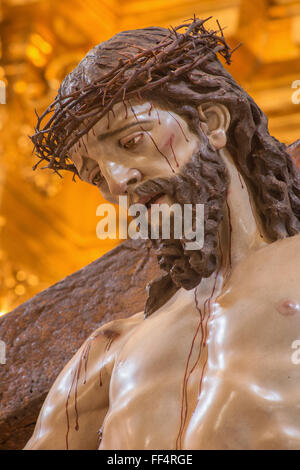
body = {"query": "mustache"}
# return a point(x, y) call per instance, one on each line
point(156, 185)
point(181, 184)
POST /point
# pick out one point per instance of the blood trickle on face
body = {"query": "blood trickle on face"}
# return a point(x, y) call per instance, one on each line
point(131, 145)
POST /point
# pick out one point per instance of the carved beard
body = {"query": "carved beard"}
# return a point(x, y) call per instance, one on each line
point(203, 180)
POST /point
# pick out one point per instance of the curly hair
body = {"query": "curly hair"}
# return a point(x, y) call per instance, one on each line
point(122, 68)
point(180, 72)
point(264, 162)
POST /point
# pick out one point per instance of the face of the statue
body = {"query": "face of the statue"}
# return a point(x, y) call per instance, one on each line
point(132, 146)
point(151, 155)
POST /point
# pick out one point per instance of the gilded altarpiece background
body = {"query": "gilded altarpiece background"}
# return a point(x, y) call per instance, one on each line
point(48, 225)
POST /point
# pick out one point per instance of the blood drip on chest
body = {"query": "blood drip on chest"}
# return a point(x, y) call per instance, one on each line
point(204, 317)
point(84, 357)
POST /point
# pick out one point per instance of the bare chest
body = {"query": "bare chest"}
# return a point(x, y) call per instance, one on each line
point(206, 374)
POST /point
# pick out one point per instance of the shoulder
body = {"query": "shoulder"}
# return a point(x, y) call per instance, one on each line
point(274, 268)
point(119, 327)
point(109, 336)
point(261, 300)
point(280, 259)
point(98, 350)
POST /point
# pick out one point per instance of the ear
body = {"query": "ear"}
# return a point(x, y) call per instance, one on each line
point(214, 121)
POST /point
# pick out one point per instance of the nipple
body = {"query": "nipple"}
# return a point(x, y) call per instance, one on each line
point(287, 307)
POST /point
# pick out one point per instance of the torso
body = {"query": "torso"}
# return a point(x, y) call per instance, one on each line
point(169, 390)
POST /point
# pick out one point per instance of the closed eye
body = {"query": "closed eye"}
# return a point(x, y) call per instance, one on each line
point(96, 176)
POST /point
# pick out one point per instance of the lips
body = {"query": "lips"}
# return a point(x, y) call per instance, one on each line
point(150, 199)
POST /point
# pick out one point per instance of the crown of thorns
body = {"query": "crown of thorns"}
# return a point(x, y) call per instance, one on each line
point(73, 115)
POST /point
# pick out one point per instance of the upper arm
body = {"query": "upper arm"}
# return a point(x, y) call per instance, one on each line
point(77, 403)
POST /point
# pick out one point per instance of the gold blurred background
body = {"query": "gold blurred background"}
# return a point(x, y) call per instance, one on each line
point(48, 225)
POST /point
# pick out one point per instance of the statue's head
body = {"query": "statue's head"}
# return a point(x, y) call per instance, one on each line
point(147, 113)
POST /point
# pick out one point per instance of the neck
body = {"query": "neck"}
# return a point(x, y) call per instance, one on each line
point(241, 231)
point(240, 235)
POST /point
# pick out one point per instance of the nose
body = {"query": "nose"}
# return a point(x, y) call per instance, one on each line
point(120, 180)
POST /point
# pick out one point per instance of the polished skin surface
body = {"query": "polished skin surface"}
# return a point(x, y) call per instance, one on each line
point(139, 142)
point(56, 35)
point(212, 368)
point(250, 391)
